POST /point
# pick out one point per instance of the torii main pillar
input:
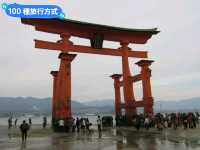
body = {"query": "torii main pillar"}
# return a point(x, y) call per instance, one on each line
point(116, 78)
point(62, 92)
point(55, 78)
point(127, 84)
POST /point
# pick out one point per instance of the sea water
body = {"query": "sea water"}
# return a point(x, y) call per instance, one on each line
point(38, 120)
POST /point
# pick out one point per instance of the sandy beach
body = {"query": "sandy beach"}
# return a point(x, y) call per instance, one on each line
point(111, 139)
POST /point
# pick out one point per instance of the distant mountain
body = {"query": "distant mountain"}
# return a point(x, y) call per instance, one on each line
point(192, 104)
point(43, 105)
point(29, 104)
point(99, 103)
point(20, 105)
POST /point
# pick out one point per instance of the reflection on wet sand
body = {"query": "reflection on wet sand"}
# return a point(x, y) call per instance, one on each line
point(121, 139)
point(109, 139)
point(23, 146)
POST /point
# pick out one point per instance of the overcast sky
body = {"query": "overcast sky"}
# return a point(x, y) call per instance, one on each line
point(25, 70)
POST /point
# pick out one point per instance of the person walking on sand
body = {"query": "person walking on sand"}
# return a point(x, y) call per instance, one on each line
point(99, 124)
point(9, 122)
point(30, 121)
point(44, 124)
point(24, 127)
point(78, 124)
point(73, 125)
point(16, 122)
point(88, 124)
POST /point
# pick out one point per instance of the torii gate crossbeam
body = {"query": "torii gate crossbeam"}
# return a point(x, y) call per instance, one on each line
point(87, 49)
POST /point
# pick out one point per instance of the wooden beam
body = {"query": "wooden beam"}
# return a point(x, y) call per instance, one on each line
point(139, 103)
point(48, 45)
point(137, 54)
point(136, 78)
point(86, 49)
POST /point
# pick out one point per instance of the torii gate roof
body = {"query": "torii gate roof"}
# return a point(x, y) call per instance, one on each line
point(87, 30)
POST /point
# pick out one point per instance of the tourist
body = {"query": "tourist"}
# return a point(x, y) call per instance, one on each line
point(24, 127)
point(99, 124)
point(190, 120)
point(117, 120)
point(159, 121)
point(82, 123)
point(197, 117)
point(185, 121)
point(9, 122)
point(73, 125)
point(169, 121)
point(166, 121)
point(30, 121)
point(44, 122)
point(16, 122)
point(88, 124)
point(146, 122)
point(137, 122)
point(193, 120)
point(61, 123)
point(77, 124)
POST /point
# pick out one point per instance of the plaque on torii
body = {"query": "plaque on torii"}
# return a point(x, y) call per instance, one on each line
point(97, 34)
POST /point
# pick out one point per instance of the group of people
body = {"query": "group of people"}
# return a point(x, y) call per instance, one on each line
point(81, 124)
point(161, 121)
point(84, 124)
point(10, 122)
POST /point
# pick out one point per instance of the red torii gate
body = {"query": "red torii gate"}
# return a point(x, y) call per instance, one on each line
point(61, 107)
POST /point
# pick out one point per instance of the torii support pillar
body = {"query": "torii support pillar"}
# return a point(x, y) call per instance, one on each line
point(127, 84)
point(54, 114)
point(63, 93)
point(116, 78)
point(146, 84)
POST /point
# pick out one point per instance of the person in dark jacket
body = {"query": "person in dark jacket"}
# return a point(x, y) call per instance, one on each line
point(44, 124)
point(30, 121)
point(78, 124)
point(24, 127)
point(99, 123)
point(9, 122)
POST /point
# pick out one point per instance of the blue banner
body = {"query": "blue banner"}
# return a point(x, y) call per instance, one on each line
point(33, 11)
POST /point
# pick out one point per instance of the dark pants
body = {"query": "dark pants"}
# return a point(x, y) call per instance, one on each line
point(99, 128)
point(44, 125)
point(24, 136)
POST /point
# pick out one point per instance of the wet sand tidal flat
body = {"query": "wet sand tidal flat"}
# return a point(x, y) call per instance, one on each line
point(124, 138)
